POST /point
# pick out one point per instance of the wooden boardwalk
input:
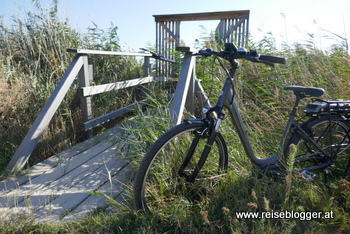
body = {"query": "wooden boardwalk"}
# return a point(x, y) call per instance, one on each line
point(55, 190)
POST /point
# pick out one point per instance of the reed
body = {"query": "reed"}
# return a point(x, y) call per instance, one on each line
point(33, 58)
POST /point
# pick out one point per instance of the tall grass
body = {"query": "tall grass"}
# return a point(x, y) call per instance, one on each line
point(265, 107)
point(33, 58)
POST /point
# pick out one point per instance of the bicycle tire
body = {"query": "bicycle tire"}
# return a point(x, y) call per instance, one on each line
point(332, 134)
point(159, 188)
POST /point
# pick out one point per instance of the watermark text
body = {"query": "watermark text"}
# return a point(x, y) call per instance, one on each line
point(301, 215)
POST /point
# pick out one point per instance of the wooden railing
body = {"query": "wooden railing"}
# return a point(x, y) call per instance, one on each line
point(80, 68)
point(87, 91)
point(188, 87)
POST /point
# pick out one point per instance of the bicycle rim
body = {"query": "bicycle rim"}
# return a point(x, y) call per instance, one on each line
point(333, 137)
point(158, 186)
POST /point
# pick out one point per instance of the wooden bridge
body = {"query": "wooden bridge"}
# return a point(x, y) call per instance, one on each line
point(57, 189)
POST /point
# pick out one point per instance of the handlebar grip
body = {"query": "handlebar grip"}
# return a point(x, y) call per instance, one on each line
point(273, 59)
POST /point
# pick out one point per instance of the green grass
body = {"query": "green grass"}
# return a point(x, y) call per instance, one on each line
point(29, 70)
point(241, 192)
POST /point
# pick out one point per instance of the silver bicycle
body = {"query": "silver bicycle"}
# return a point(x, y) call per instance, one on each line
point(190, 158)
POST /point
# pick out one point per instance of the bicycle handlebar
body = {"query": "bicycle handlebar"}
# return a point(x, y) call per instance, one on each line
point(231, 53)
point(273, 59)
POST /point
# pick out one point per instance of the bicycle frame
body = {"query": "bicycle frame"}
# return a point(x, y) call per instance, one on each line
point(227, 100)
point(273, 164)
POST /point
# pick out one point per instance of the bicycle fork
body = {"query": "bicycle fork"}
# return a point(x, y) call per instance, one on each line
point(204, 155)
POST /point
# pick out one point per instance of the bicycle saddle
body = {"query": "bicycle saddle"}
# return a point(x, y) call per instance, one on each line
point(305, 91)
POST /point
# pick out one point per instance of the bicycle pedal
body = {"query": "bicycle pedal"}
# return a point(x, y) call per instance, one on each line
point(308, 175)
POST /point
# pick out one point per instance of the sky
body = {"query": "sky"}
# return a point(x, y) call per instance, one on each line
point(288, 21)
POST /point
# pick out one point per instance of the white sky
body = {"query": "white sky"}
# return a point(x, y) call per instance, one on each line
point(136, 26)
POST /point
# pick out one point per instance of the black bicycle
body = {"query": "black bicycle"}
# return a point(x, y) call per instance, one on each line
point(192, 157)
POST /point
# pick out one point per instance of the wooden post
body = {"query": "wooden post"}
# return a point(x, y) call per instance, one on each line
point(200, 94)
point(146, 66)
point(84, 81)
point(28, 144)
point(181, 92)
point(189, 104)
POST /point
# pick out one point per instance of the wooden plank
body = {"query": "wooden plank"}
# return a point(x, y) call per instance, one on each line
point(16, 213)
point(114, 114)
point(28, 144)
point(166, 29)
point(177, 107)
point(38, 184)
point(48, 164)
point(234, 28)
point(38, 203)
point(100, 52)
point(200, 94)
point(119, 183)
point(189, 103)
point(110, 178)
point(42, 189)
point(147, 67)
point(65, 161)
point(88, 176)
point(73, 198)
point(59, 189)
point(246, 30)
point(93, 90)
point(202, 16)
point(70, 191)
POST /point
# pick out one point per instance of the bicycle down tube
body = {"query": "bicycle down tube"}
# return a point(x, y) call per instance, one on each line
point(227, 100)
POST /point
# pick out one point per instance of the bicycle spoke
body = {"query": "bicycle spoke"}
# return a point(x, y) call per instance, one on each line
point(333, 137)
point(162, 187)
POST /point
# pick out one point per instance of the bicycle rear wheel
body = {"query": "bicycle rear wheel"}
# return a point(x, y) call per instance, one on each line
point(160, 188)
point(332, 135)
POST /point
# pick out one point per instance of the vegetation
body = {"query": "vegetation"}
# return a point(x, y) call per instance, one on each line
point(33, 58)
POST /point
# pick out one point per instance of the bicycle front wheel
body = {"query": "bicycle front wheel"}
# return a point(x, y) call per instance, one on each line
point(159, 185)
point(332, 135)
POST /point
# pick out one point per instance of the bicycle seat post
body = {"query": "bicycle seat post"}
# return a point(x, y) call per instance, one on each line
point(289, 125)
point(295, 107)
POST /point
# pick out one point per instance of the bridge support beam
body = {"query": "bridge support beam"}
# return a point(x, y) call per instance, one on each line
point(28, 144)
